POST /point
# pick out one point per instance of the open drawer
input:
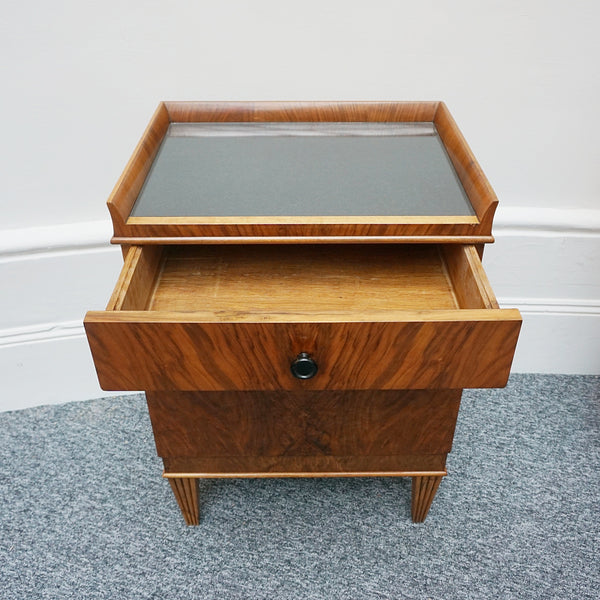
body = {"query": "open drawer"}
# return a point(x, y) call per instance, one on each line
point(209, 317)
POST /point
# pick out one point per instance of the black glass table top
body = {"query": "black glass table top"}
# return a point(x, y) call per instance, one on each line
point(301, 169)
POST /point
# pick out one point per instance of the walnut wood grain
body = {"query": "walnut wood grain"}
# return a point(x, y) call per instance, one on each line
point(233, 318)
point(472, 178)
point(348, 279)
point(135, 284)
point(185, 490)
point(301, 231)
point(423, 493)
point(403, 465)
point(476, 185)
point(306, 239)
point(237, 282)
point(272, 424)
point(209, 333)
point(132, 179)
point(142, 351)
point(469, 281)
point(195, 112)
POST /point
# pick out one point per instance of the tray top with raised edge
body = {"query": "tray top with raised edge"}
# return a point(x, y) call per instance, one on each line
point(302, 172)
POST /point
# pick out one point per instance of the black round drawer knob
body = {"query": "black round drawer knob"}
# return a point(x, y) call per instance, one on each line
point(304, 367)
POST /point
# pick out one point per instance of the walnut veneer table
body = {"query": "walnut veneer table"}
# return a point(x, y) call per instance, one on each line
point(302, 292)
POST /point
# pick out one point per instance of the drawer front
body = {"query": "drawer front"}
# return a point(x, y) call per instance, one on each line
point(134, 350)
point(314, 423)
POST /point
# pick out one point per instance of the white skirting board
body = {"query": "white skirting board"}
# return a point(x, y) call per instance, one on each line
point(544, 262)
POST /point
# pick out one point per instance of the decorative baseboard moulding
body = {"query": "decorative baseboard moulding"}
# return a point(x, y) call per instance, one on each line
point(53, 238)
point(546, 221)
point(546, 264)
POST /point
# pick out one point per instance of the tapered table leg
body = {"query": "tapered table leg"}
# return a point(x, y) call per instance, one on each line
point(423, 492)
point(186, 494)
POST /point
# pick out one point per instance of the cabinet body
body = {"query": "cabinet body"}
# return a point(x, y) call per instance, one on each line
point(394, 313)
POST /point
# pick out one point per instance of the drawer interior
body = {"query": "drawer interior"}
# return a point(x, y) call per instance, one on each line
point(232, 282)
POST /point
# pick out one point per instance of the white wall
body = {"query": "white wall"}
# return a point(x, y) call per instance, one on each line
point(81, 80)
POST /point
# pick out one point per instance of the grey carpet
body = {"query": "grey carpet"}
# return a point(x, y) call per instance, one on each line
point(86, 514)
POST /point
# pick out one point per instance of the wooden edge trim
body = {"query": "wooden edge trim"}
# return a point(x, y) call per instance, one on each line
point(443, 252)
point(469, 282)
point(319, 220)
point(469, 171)
point(480, 276)
point(308, 239)
point(384, 316)
point(487, 219)
point(125, 192)
point(122, 286)
point(264, 475)
point(261, 111)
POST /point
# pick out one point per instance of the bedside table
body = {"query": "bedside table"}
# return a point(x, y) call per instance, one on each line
point(302, 292)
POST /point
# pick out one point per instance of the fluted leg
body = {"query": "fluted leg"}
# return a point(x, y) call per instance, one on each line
point(423, 492)
point(186, 494)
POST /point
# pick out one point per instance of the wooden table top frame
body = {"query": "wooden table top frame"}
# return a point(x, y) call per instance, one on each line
point(474, 229)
